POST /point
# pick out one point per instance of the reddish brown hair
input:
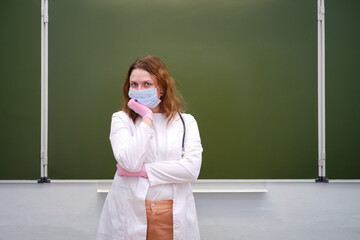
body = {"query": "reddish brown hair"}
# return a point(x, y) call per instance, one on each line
point(171, 99)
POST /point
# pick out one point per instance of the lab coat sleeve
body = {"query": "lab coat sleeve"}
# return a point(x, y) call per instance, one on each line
point(186, 169)
point(129, 148)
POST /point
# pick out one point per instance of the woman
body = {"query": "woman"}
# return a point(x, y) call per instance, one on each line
point(159, 152)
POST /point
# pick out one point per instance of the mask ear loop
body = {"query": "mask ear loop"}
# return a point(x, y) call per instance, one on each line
point(183, 140)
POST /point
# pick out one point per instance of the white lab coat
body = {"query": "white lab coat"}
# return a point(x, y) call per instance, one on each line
point(124, 213)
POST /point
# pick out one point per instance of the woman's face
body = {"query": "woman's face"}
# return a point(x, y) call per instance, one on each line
point(141, 80)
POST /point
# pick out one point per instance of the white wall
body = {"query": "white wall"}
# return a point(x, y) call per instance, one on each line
point(288, 211)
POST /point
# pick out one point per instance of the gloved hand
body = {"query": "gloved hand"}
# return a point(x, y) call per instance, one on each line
point(140, 109)
point(123, 173)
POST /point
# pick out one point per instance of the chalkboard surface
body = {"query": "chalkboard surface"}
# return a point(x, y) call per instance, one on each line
point(247, 70)
point(20, 89)
point(342, 88)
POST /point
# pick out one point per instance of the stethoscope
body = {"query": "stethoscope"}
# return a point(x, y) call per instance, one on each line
point(183, 140)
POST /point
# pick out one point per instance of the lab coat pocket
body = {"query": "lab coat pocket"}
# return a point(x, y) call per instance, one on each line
point(174, 148)
point(174, 135)
point(191, 215)
point(190, 205)
point(174, 154)
point(117, 211)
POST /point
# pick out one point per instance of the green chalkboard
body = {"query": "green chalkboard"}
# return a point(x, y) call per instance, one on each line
point(20, 91)
point(342, 88)
point(247, 71)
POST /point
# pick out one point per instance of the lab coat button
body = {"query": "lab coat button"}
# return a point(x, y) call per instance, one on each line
point(153, 204)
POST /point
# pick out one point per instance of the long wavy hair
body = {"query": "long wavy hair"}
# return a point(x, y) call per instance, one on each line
point(171, 99)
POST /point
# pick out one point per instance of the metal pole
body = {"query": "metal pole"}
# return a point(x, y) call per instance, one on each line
point(44, 91)
point(321, 92)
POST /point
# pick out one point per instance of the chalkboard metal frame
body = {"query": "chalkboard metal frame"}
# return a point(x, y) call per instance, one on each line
point(321, 92)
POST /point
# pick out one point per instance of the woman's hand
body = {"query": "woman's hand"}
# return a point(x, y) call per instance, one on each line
point(123, 173)
point(140, 109)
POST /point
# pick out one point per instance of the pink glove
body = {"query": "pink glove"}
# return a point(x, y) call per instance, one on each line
point(123, 173)
point(140, 109)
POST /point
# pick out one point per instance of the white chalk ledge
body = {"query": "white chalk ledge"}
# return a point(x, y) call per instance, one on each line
point(211, 186)
point(199, 186)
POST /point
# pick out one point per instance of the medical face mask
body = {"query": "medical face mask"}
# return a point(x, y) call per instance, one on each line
point(147, 97)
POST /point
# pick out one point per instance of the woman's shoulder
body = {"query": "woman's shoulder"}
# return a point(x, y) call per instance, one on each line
point(121, 115)
point(187, 117)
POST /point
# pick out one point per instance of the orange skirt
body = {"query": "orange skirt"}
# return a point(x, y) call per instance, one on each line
point(159, 220)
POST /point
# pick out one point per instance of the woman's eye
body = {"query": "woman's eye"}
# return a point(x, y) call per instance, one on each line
point(147, 84)
point(134, 84)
